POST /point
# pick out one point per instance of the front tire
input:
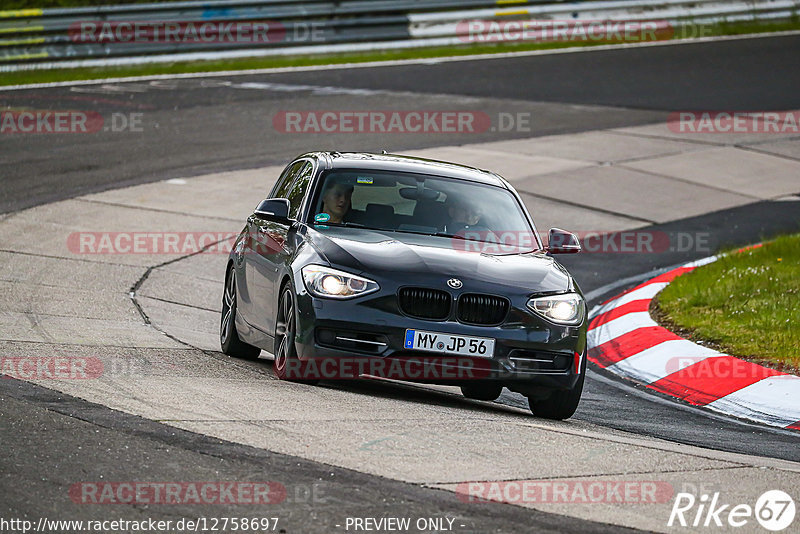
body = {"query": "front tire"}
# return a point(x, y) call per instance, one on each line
point(228, 336)
point(560, 404)
point(287, 365)
point(487, 391)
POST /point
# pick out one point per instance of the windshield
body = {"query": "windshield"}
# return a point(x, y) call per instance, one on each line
point(421, 204)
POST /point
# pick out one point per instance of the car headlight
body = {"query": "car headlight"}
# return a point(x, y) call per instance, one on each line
point(331, 283)
point(565, 309)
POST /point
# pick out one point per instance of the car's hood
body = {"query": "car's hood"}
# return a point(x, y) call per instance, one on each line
point(384, 253)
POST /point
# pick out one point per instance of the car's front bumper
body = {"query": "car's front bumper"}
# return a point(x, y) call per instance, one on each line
point(531, 354)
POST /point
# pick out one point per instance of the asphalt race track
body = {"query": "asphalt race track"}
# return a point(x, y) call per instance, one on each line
point(202, 125)
point(198, 126)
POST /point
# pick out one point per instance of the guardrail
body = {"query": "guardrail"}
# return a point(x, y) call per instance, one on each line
point(181, 31)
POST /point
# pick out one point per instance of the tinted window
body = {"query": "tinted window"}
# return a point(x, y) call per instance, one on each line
point(284, 184)
point(299, 188)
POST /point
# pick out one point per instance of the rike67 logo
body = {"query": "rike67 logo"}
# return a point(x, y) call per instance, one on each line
point(774, 510)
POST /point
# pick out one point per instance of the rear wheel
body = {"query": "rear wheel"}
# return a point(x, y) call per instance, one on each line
point(287, 365)
point(560, 404)
point(482, 391)
point(228, 336)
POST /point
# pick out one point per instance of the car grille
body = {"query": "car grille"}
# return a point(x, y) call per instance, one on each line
point(482, 309)
point(425, 303)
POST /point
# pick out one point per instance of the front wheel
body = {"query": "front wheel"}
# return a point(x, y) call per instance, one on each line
point(482, 391)
point(560, 404)
point(228, 336)
point(287, 365)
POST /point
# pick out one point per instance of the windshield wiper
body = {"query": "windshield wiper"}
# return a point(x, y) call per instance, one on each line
point(445, 234)
point(345, 223)
point(348, 224)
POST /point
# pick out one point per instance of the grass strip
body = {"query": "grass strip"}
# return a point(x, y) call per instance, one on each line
point(746, 304)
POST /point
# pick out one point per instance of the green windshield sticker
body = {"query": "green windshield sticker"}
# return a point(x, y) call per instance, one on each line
point(364, 180)
point(322, 217)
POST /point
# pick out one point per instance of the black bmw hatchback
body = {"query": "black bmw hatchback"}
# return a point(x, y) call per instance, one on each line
point(399, 267)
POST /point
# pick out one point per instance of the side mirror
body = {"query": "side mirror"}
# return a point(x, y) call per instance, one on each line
point(562, 242)
point(274, 209)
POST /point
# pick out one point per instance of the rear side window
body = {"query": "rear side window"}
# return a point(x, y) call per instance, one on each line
point(282, 188)
point(298, 189)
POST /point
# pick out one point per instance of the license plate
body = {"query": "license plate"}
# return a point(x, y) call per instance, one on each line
point(481, 347)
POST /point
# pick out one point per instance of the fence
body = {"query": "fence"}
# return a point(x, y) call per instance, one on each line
point(182, 31)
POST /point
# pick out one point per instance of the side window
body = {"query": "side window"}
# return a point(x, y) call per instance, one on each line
point(299, 188)
point(281, 188)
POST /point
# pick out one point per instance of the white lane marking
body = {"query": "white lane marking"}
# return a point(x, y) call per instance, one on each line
point(645, 292)
point(396, 62)
point(325, 90)
point(774, 401)
point(315, 89)
point(166, 85)
point(618, 327)
point(111, 89)
point(663, 359)
point(176, 181)
point(92, 90)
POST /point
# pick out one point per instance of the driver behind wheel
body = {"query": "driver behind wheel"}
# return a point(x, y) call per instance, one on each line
point(464, 215)
point(336, 200)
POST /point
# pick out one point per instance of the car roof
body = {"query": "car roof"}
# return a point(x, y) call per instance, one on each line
point(396, 162)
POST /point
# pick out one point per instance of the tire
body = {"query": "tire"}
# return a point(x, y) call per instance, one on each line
point(228, 336)
point(485, 391)
point(287, 365)
point(560, 404)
